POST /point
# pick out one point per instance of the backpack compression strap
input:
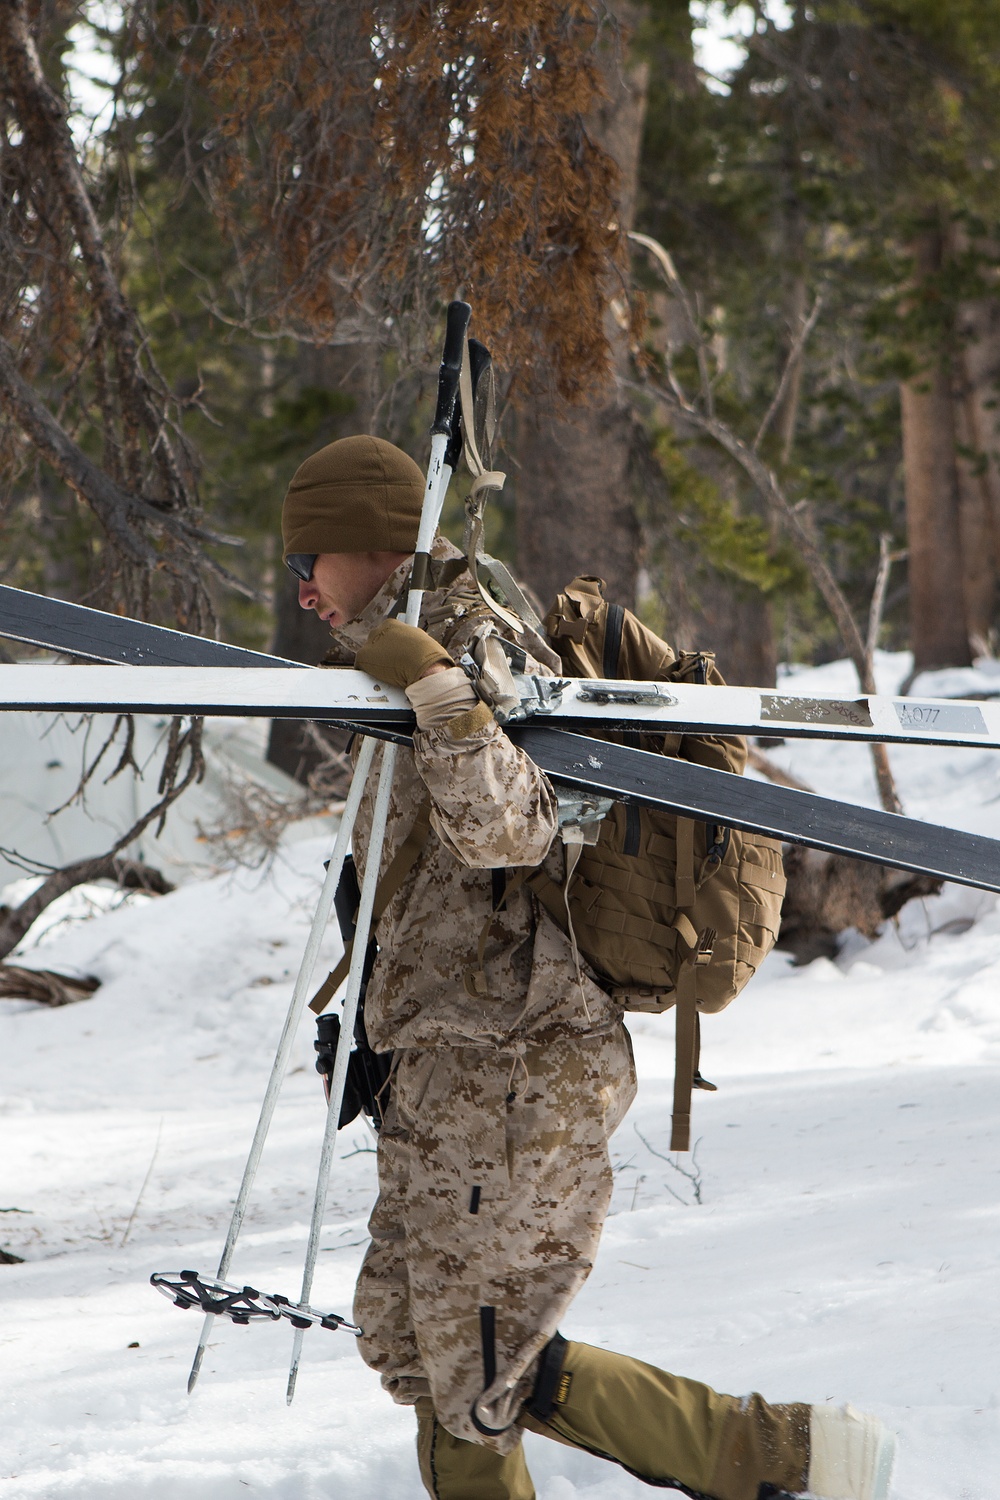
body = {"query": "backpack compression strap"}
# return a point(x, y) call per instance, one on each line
point(687, 1046)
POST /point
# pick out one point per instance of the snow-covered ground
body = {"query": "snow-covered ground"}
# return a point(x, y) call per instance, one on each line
point(845, 1245)
point(45, 818)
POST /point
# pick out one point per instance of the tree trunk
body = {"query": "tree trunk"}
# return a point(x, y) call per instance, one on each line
point(979, 575)
point(575, 511)
point(977, 375)
point(939, 633)
point(751, 658)
point(721, 614)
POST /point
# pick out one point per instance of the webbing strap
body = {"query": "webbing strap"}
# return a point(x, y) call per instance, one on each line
point(551, 895)
point(499, 678)
point(485, 483)
point(684, 875)
point(400, 866)
point(504, 581)
point(614, 624)
point(685, 1057)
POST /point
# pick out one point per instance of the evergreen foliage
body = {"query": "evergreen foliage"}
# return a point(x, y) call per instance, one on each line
point(839, 140)
point(285, 232)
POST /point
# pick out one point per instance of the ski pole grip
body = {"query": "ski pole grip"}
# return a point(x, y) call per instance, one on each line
point(459, 316)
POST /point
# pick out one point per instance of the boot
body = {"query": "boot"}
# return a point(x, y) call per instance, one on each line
point(453, 1469)
point(850, 1454)
point(666, 1430)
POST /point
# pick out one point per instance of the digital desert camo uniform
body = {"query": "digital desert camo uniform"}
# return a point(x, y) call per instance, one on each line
point(494, 1175)
point(493, 1162)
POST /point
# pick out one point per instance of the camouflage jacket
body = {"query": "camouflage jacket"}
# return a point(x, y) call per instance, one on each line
point(492, 811)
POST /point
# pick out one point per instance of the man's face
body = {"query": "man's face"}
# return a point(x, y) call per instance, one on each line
point(344, 583)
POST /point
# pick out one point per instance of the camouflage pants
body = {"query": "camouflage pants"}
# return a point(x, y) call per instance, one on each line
point(494, 1182)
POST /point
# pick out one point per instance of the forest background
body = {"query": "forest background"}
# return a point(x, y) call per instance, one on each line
point(237, 245)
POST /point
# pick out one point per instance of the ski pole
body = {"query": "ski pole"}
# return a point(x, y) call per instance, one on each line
point(438, 474)
point(339, 1076)
point(303, 984)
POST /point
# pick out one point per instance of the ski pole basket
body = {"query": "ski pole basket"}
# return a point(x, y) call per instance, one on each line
point(242, 1304)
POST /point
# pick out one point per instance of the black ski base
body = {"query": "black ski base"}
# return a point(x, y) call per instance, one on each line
point(796, 817)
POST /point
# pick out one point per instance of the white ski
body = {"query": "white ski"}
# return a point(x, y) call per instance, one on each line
point(342, 695)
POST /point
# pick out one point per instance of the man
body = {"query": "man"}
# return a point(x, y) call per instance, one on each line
point(511, 1069)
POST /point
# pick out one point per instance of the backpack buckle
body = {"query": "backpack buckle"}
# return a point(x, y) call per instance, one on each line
point(706, 946)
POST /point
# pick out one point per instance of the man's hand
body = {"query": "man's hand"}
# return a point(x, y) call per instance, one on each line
point(401, 654)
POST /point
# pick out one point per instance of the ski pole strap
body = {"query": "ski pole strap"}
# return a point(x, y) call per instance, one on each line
point(429, 573)
point(486, 482)
point(390, 884)
point(482, 478)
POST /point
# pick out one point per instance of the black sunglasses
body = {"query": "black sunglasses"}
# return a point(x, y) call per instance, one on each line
point(301, 564)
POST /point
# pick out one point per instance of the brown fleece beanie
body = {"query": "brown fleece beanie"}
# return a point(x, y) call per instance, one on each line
point(359, 494)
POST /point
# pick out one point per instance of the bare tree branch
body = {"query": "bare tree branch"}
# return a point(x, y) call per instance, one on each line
point(45, 986)
point(794, 356)
point(15, 922)
point(885, 562)
point(183, 738)
point(767, 485)
point(765, 481)
point(43, 118)
point(767, 767)
point(113, 505)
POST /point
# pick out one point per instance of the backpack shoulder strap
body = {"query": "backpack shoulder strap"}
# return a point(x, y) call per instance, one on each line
point(574, 623)
point(614, 625)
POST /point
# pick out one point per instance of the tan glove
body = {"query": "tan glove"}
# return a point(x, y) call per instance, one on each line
point(399, 654)
point(443, 698)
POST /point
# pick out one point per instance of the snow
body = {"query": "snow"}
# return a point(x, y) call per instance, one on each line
point(42, 759)
point(844, 1246)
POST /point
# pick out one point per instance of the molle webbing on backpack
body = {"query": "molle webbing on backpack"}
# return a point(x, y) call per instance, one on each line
point(666, 910)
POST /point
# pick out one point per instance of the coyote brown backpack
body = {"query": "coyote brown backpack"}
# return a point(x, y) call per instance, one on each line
point(667, 910)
